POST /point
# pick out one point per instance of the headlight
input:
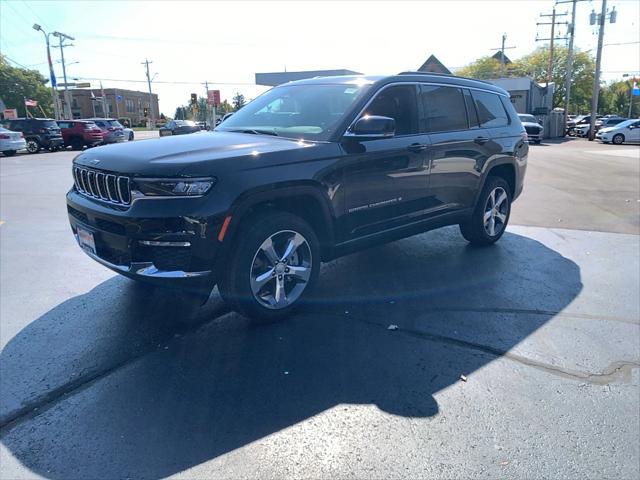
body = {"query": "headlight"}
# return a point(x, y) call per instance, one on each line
point(174, 187)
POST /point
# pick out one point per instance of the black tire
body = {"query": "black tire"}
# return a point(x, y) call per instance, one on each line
point(474, 229)
point(131, 136)
point(235, 285)
point(9, 153)
point(618, 139)
point(33, 146)
point(77, 144)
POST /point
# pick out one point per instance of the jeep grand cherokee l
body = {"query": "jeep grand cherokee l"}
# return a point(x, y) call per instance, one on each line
point(307, 172)
point(39, 133)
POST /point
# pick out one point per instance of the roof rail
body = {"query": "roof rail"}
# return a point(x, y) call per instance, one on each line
point(443, 75)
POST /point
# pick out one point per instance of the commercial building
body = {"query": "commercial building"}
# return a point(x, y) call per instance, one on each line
point(272, 79)
point(120, 103)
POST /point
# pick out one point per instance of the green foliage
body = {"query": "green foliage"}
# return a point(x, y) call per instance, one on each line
point(483, 69)
point(18, 83)
point(536, 66)
point(615, 97)
point(238, 101)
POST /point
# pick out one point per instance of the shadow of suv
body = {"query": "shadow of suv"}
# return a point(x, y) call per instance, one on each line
point(39, 133)
point(305, 173)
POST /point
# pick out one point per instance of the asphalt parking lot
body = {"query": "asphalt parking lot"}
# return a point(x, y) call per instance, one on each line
point(520, 360)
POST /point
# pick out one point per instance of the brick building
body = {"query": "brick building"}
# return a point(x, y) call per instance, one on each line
point(120, 103)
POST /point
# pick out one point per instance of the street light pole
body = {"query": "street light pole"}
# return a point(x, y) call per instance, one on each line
point(152, 122)
point(52, 76)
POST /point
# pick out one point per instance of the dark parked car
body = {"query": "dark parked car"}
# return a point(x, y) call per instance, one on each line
point(178, 127)
point(532, 127)
point(38, 132)
point(308, 171)
point(112, 130)
point(80, 133)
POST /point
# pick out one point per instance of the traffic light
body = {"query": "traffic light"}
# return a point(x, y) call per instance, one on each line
point(194, 99)
point(146, 111)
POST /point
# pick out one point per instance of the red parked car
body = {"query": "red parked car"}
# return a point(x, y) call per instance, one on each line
point(80, 133)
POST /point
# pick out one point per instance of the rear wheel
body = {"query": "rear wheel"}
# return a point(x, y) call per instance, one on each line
point(33, 146)
point(618, 139)
point(130, 136)
point(274, 264)
point(9, 153)
point(491, 216)
point(77, 144)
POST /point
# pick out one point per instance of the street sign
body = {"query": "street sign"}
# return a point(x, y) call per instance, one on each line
point(83, 85)
point(10, 113)
point(118, 98)
point(213, 97)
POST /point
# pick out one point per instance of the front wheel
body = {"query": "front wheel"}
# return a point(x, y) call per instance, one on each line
point(618, 139)
point(491, 216)
point(273, 266)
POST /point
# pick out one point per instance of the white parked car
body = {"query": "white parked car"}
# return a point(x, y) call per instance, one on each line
point(624, 132)
point(11, 142)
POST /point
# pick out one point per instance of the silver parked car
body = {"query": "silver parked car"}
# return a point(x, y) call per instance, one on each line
point(11, 142)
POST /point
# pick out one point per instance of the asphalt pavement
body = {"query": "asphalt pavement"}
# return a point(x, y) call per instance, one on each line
point(518, 360)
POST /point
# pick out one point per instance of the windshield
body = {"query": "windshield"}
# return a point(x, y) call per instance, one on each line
point(114, 123)
point(50, 124)
point(625, 124)
point(528, 118)
point(181, 123)
point(310, 112)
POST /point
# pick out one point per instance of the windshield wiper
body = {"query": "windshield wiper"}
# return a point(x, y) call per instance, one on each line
point(254, 131)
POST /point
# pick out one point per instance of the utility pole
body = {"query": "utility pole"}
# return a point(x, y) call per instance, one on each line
point(502, 57)
point(67, 98)
point(552, 38)
point(52, 75)
point(601, 20)
point(152, 121)
point(569, 70)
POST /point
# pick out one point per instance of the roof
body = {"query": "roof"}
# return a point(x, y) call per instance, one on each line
point(278, 78)
point(498, 56)
point(432, 64)
point(403, 77)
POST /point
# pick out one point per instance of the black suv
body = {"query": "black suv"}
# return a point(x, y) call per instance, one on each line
point(308, 171)
point(38, 132)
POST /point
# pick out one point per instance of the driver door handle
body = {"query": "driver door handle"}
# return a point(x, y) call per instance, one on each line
point(417, 147)
point(481, 140)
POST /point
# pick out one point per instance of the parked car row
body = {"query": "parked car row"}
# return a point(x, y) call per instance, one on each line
point(45, 133)
point(627, 131)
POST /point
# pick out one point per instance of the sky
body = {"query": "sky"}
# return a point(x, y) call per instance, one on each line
point(226, 43)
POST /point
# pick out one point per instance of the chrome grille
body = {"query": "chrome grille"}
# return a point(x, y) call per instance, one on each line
point(103, 186)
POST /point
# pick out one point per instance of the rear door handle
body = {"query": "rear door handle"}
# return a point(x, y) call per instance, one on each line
point(481, 140)
point(417, 147)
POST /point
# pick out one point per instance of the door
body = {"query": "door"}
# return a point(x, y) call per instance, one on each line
point(386, 179)
point(633, 132)
point(460, 146)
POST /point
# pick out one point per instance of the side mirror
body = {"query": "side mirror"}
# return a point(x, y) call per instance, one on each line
point(371, 127)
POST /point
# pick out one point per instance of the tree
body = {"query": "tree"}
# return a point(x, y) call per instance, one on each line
point(238, 101)
point(536, 66)
point(16, 84)
point(483, 68)
point(615, 97)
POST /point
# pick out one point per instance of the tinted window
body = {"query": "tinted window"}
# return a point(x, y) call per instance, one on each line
point(471, 110)
point(115, 123)
point(48, 124)
point(444, 108)
point(528, 118)
point(65, 124)
point(400, 104)
point(491, 112)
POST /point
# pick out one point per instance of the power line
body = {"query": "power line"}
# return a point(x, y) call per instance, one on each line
point(168, 82)
point(35, 14)
point(13, 61)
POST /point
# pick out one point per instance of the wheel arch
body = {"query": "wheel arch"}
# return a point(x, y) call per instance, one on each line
point(306, 201)
point(503, 168)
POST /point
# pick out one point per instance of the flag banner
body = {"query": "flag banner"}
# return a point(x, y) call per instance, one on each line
point(636, 90)
point(30, 103)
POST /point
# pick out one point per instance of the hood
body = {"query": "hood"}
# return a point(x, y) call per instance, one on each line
point(608, 129)
point(531, 124)
point(171, 156)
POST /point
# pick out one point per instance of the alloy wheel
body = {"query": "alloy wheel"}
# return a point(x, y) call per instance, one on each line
point(618, 139)
point(495, 212)
point(32, 146)
point(281, 269)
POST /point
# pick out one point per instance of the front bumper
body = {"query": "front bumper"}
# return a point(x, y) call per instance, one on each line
point(51, 142)
point(152, 240)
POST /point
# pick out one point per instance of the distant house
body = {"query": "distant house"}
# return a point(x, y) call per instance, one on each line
point(433, 65)
point(498, 56)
